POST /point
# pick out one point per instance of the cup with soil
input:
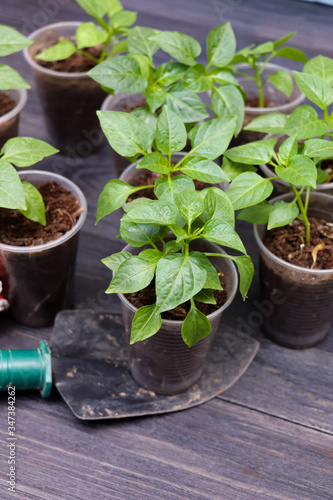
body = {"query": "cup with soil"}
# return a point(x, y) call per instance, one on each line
point(297, 279)
point(68, 96)
point(37, 263)
point(275, 101)
point(163, 363)
point(284, 187)
point(11, 104)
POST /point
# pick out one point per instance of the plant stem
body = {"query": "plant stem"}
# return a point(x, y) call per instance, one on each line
point(259, 85)
point(84, 53)
point(304, 213)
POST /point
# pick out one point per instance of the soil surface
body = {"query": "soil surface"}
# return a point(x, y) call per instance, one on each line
point(129, 107)
point(76, 63)
point(253, 102)
point(288, 243)
point(62, 211)
point(147, 297)
point(6, 103)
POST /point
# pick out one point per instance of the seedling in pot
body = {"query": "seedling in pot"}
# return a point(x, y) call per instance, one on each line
point(17, 194)
point(11, 41)
point(130, 137)
point(111, 32)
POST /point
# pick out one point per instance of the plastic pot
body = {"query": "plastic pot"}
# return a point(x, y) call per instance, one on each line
point(39, 280)
point(9, 123)
point(69, 100)
point(282, 186)
point(164, 363)
point(279, 102)
point(298, 301)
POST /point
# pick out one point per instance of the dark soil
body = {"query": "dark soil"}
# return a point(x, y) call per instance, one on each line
point(253, 102)
point(147, 297)
point(62, 211)
point(129, 107)
point(6, 103)
point(76, 63)
point(288, 243)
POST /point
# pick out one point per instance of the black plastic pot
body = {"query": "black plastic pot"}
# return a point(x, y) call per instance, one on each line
point(164, 363)
point(69, 100)
point(299, 301)
point(39, 281)
point(9, 123)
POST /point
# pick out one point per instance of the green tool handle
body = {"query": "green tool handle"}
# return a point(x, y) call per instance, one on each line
point(27, 369)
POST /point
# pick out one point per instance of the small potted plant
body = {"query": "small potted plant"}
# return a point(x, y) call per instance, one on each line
point(13, 95)
point(294, 233)
point(316, 82)
point(188, 88)
point(61, 57)
point(40, 216)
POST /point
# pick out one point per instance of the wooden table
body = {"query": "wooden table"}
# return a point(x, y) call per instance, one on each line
point(270, 435)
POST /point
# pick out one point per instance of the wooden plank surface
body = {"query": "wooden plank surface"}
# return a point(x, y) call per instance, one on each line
point(268, 437)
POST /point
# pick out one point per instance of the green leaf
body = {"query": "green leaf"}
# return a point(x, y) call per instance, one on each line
point(170, 132)
point(182, 47)
point(95, 8)
point(318, 148)
point(321, 66)
point(146, 322)
point(212, 278)
point(122, 73)
point(138, 201)
point(189, 204)
point(155, 97)
point(155, 162)
point(257, 214)
point(291, 53)
point(113, 6)
point(186, 104)
point(304, 122)
point(246, 271)
point(10, 79)
point(263, 48)
point(178, 278)
point(151, 255)
point(288, 148)
point(164, 191)
point(114, 261)
point(58, 52)
point(126, 133)
point(283, 40)
point(233, 169)
point(282, 213)
point(222, 76)
point(12, 41)
point(211, 138)
point(133, 275)
point(26, 151)
point(228, 101)
point(145, 115)
point(272, 123)
point(221, 45)
point(123, 18)
point(222, 233)
point(11, 190)
point(203, 170)
point(197, 80)
point(253, 153)
point(315, 88)
point(219, 206)
point(300, 171)
point(119, 47)
point(35, 205)
point(205, 296)
point(88, 35)
point(172, 246)
point(157, 212)
point(171, 72)
point(195, 326)
point(322, 176)
point(112, 197)
point(139, 235)
point(249, 189)
point(283, 81)
point(179, 232)
point(140, 42)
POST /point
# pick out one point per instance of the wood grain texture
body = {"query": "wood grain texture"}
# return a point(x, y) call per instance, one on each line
point(271, 435)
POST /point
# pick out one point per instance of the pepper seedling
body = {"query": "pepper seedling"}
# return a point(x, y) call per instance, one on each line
point(130, 137)
point(11, 41)
point(17, 194)
point(113, 28)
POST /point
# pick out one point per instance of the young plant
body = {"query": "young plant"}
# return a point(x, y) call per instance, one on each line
point(249, 191)
point(258, 56)
point(11, 41)
point(17, 194)
point(113, 28)
point(131, 137)
point(176, 83)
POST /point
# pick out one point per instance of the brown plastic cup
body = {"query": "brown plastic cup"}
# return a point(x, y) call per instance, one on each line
point(9, 123)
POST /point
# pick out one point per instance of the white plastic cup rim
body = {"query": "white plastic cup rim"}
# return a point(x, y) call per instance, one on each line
point(22, 99)
point(50, 176)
